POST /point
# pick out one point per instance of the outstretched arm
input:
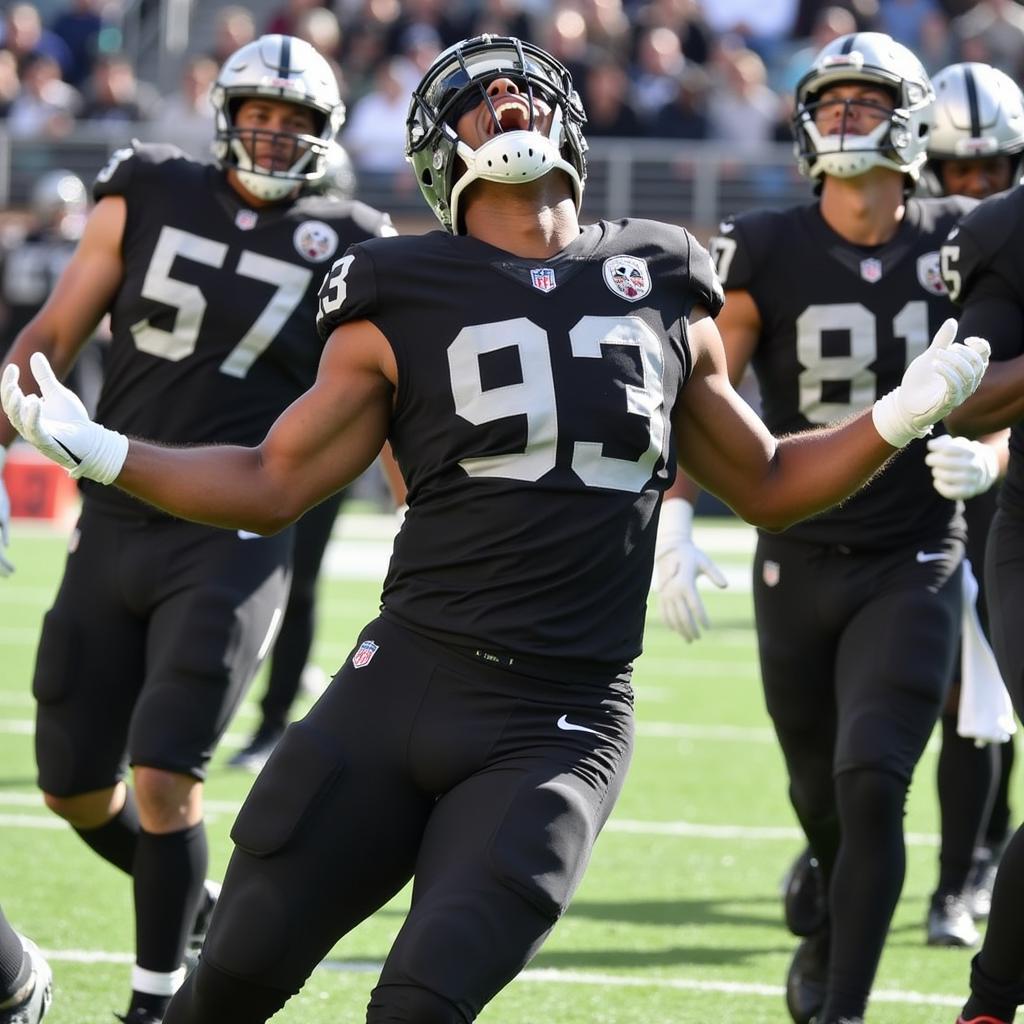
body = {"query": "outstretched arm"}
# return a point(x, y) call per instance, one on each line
point(773, 483)
point(320, 443)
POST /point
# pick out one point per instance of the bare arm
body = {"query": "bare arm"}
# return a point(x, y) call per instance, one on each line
point(79, 300)
point(769, 482)
point(320, 443)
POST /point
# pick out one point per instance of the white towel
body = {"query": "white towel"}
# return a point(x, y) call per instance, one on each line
point(985, 713)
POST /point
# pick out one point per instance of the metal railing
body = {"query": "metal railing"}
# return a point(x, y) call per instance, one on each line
point(689, 183)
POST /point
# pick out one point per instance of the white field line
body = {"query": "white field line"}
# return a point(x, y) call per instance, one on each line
point(553, 976)
point(670, 829)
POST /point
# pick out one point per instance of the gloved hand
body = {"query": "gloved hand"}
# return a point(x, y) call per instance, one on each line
point(677, 564)
point(961, 468)
point(938, 380)
point(57, 424)
point(6, 567)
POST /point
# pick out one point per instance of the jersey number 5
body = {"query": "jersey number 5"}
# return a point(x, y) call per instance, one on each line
point(534, 398)
point(289, 281)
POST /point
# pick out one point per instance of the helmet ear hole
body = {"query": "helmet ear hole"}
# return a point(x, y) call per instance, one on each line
point(427, 178)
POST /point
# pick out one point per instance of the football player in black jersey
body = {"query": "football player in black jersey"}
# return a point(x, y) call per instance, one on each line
point(975, 150)
point(210, 275)
point(537, 380)
point(982, 267)
point(857, 609)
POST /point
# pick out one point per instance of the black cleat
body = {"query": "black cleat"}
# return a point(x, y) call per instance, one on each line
point(950, 922)
point(201, 925)
point(31, 1002)
point(982, 876)
point(255, 754)
point(807, 979)
point(803, 896)
point(139, 1016)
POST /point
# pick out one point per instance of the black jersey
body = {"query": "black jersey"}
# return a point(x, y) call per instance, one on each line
point(213, 325)
point(839, 325)
point(984, 268)
point(532, 426)
point(30, 269)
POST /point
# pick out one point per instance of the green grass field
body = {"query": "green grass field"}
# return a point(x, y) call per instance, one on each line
point(678, 920)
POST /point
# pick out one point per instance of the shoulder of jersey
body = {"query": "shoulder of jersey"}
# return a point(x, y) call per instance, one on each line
point(759, 224)
point(637, 233)
point(146, 162)
point(993, 225)
point(333, 209)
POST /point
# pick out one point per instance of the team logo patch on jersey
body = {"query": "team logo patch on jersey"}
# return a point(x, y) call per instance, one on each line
point(929, 274)
point(245, 220)
point(871, 270)
point(316, 241)
point(771, 572)
point(543, 279)
point(628, 277)
point(364, 655)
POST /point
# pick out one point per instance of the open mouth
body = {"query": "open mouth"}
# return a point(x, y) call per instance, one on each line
point(513, 115)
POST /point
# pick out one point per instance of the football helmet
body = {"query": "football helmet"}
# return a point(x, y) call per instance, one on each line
point(979, 112)
point(455, 83)
point(281, 68)
point(339, 177)
point(899, 142)
point(59, 201)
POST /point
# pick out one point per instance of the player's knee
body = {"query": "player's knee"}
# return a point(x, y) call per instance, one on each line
point(212, 996)
point(167, 801)
point(84, 811)
point(411, 1004)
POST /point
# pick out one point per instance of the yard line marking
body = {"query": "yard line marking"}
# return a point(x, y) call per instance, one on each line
point(553, 975)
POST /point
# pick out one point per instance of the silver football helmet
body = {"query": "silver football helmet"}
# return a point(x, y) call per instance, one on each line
point(281, 68)
point(455, 83)
point(979, 112)
point(899, 142)
point(60, 201)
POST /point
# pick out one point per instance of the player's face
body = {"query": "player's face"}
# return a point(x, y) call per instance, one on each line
point(852, 109)
point(978, 177)
point(271, 123)
point(511, 103)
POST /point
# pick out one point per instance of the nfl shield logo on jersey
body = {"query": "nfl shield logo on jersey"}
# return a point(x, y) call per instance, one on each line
point(929, 275)
point(771, 573)
point(871, 270)
point(628, 277)
point(364, 655)
point(245, 220)
point(543, 278)
point(316, 241)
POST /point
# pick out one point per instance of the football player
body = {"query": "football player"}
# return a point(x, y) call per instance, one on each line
point(26, 981)
point(975, 150)
point(531, 375)
point(857, 610)
point(210, 276)
point(982, 267)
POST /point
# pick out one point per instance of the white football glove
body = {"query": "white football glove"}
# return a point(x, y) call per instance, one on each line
point(961, 468)
point(6, 567)
point(938, 380)
point(677, 564)
point(55, 422)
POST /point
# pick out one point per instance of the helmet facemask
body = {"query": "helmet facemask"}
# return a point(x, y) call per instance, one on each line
point(518, 151)
point(898, 142)
point(285, 69)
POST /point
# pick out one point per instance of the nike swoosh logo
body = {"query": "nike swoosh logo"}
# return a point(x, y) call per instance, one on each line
point(930, 556)
point(246, 535)
point(71, 454)
point(564, 723)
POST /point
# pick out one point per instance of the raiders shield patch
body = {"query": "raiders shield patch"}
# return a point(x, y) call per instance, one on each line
point(628, 277)
point(364, 654)
point(929, 275)
point(316, 241)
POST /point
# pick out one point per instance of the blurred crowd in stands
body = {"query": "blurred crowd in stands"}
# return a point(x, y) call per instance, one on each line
point(680, 69)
